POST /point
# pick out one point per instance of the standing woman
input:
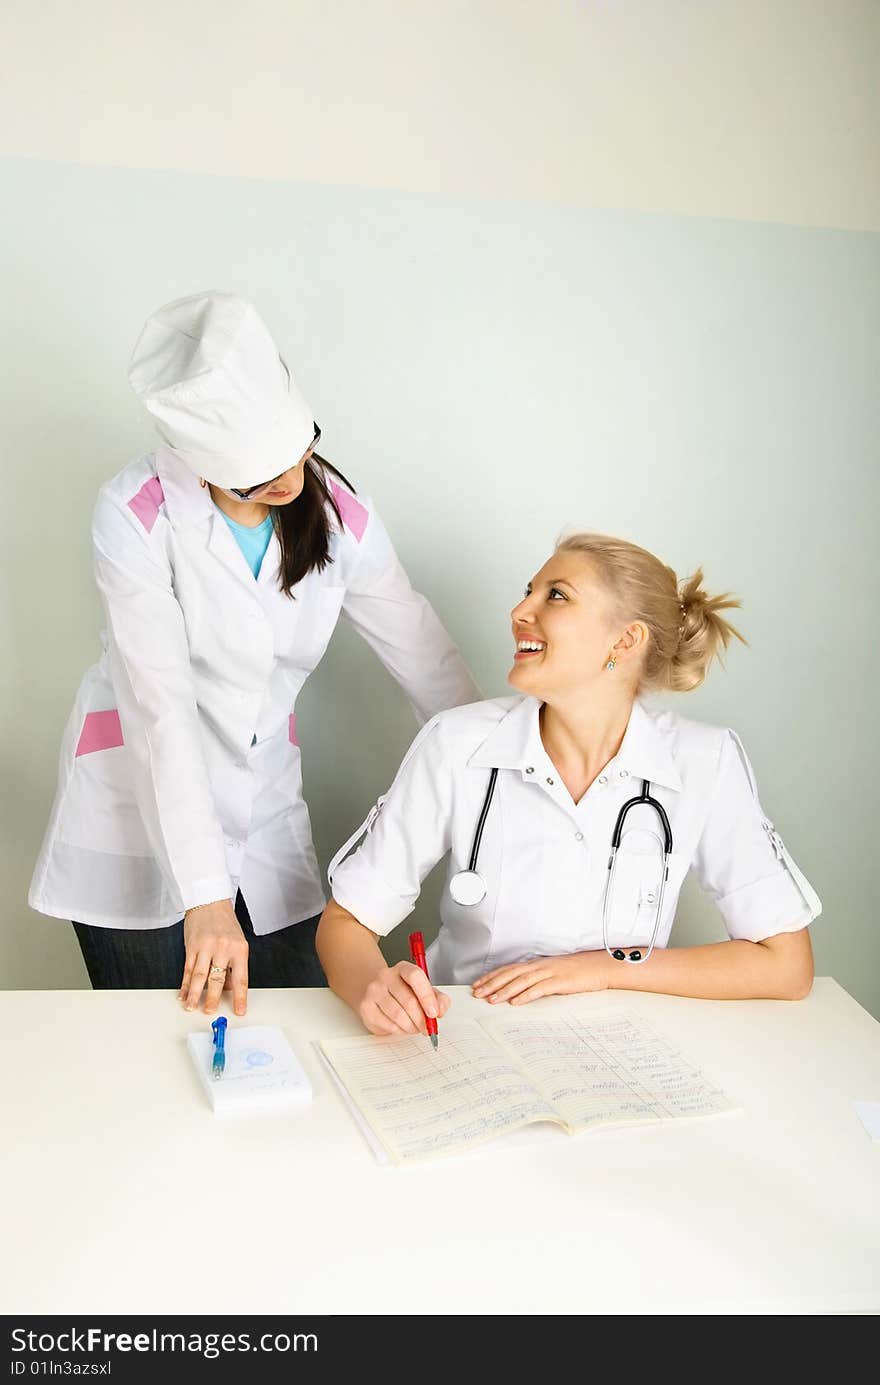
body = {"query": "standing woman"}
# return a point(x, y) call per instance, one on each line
point(179, 841)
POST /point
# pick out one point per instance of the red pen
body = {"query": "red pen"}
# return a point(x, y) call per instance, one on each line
point(417, 955)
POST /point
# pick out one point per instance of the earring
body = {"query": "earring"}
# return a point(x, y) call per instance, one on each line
point(202, 482)
point(610, 664)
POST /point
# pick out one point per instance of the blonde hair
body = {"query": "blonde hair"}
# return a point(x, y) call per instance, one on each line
point(685, 627)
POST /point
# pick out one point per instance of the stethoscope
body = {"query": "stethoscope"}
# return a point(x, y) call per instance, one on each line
point(468, 887)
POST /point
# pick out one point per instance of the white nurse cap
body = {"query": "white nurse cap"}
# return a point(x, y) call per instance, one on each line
point(208, 371)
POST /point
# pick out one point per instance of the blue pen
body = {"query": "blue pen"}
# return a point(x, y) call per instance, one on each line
point(218, 1063)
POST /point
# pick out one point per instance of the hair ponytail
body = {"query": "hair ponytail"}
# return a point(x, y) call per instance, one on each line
point(703, 634)
point(684, 623)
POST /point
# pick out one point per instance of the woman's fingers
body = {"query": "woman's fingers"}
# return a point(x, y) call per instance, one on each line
point(399, 999)
point(417, 1004)
point(379, 1003)
point(216, 982)
point(494, 980)
point(397, 1014)
point(382, 1014)
point(491, 976)
point(197, 980)
point(419, 986)
point(404, 990)
point(517, 985)
point(376, 1022)
point(187, 977)
point(216, 952)
point(534, 992)
point(239, 977)
point(510, 981)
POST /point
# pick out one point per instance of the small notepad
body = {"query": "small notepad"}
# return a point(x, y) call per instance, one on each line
point(262, 1071)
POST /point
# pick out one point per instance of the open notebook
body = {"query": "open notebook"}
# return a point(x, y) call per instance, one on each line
point(496, 1075)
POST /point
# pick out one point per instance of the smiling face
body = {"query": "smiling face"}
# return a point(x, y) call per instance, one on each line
point(564, 629)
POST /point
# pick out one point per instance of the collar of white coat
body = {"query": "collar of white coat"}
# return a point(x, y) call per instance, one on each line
point(186, 500)
point(515, 743)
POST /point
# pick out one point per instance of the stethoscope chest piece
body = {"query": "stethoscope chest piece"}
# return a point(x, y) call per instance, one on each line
point(467, 887)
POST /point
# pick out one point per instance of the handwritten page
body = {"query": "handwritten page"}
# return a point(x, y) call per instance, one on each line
point(608, 1069)
point(499, 1074)
point(422, 1103)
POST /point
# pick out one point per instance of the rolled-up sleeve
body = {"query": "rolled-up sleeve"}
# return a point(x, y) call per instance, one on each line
point(742, 862)
point(401, 626)
point(408, 833)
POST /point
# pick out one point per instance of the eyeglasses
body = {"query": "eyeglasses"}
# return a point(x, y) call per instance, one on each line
point(253, 491)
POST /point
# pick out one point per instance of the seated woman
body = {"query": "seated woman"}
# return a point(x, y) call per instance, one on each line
point(571, 815)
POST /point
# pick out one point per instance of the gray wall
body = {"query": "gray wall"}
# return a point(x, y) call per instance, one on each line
point(489, 372)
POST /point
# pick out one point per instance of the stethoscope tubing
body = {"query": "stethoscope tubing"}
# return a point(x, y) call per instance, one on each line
point(481, 822)
point(468, 887)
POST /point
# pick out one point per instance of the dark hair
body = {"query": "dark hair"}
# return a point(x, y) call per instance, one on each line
point(303, 527)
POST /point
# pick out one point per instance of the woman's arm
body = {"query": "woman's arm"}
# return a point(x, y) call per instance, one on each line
point(401, 626)
point(152, 678)
point(777, 968)
point(407, 833)
point(389, 1000)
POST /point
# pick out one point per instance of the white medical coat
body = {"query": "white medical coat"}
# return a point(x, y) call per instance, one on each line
point(544, 858)
point(180, 775)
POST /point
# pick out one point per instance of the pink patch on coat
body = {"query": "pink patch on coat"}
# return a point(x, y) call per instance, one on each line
point(353, 512)
point(291, 729)
point(101, 731)
point(147, 501)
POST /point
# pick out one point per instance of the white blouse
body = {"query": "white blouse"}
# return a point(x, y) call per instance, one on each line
point(544, 858)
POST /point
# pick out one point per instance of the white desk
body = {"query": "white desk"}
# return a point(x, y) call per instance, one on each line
point(120, 1189)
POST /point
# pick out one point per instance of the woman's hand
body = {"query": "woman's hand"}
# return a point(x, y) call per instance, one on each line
point(213, 939)
point(397, 1000)
point(521, 982)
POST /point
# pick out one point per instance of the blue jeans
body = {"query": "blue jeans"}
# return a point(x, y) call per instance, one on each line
point(153, 958)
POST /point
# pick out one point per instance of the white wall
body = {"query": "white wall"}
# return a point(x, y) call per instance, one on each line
point(491, 368)
point(733, 108)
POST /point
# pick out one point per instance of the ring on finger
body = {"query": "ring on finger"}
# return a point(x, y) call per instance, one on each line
point(217, 970)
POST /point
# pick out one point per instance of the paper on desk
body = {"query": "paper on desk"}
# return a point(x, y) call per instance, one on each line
point(262, 1071)
point(490, 1078)
point(608, 1069)
point(526, 1135)
point(868, 1113)
point(420, 1103)
point(376, 1145)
